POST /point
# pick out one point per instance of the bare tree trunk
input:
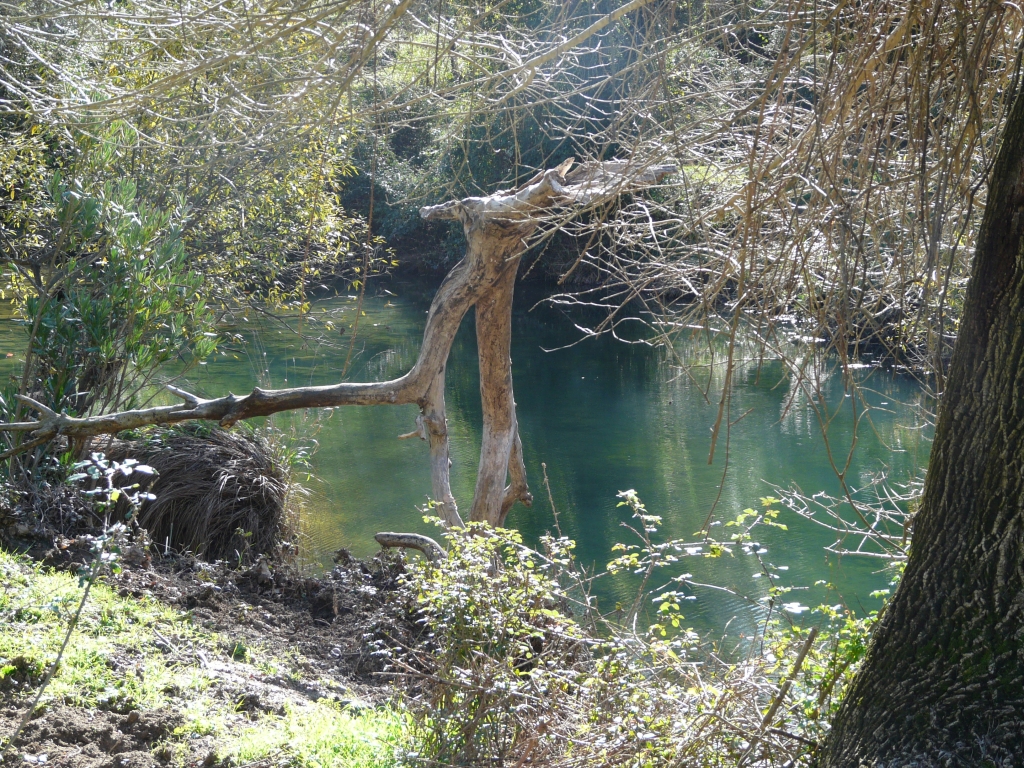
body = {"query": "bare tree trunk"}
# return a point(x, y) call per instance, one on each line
point(943, 682)
point(435, 424)
point(494, 341)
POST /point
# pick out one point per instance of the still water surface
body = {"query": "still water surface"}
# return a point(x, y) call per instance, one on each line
point(604, 416)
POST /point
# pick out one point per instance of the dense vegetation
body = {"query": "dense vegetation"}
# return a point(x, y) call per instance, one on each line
point(164, 167)
point(495, 656)
point(826, 189)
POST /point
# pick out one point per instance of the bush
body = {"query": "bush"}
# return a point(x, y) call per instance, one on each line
point(499, 655)
point(505, 673)
point(120, 300)
point(101, 280)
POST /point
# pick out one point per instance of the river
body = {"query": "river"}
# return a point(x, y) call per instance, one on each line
point(604, 416)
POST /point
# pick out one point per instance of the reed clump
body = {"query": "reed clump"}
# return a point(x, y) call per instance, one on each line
point(222, 495)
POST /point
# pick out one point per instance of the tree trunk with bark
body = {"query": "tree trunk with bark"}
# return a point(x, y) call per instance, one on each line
point(943, 682)
point(497, 228)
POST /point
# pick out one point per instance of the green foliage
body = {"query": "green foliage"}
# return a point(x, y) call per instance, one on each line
point(101, 278)
point(25, 168)
point(829, 665)
point(280, 229)
point(498, 650)
point(124, 238)
point(505, 671)
point(116, 298)
point(125, 241)
point(256, 155)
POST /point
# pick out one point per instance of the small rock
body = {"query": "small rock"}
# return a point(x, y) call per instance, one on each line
point(343, 557)
point(111, 741)
point(261, 573)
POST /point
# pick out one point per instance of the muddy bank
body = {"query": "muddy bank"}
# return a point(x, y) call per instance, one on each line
point(74, 736)
point(332, 620)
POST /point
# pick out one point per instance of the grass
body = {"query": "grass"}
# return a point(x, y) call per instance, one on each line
point(129, 653)
point(729, 176)
point(324, 736)
point(114, 660)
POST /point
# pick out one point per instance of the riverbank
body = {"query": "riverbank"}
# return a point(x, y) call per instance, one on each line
point(177, 662)
point(497, 657)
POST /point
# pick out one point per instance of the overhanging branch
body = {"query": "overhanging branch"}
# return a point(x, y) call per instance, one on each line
point(497, 228)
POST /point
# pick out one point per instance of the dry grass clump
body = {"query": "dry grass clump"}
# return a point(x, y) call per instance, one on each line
point(219, 494)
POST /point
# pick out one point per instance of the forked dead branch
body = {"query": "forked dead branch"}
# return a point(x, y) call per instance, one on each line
point(497, 228)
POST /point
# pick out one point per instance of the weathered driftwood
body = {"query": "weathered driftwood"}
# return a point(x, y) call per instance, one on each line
point(496, 228)
point(433, 551)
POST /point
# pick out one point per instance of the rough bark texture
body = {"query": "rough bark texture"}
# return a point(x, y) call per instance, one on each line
point(943, 683)
point(496, 229)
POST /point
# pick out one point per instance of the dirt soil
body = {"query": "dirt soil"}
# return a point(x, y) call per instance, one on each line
point(330, 628)
point(70, 736)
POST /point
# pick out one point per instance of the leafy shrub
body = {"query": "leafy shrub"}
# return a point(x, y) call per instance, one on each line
point(120, 299)
point(100, 278)
point(514, 667)
point(499, 652)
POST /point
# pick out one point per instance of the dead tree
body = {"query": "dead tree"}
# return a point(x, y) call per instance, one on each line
point(497, 228)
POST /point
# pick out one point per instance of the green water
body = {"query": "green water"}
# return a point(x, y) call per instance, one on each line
point(604, 416)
